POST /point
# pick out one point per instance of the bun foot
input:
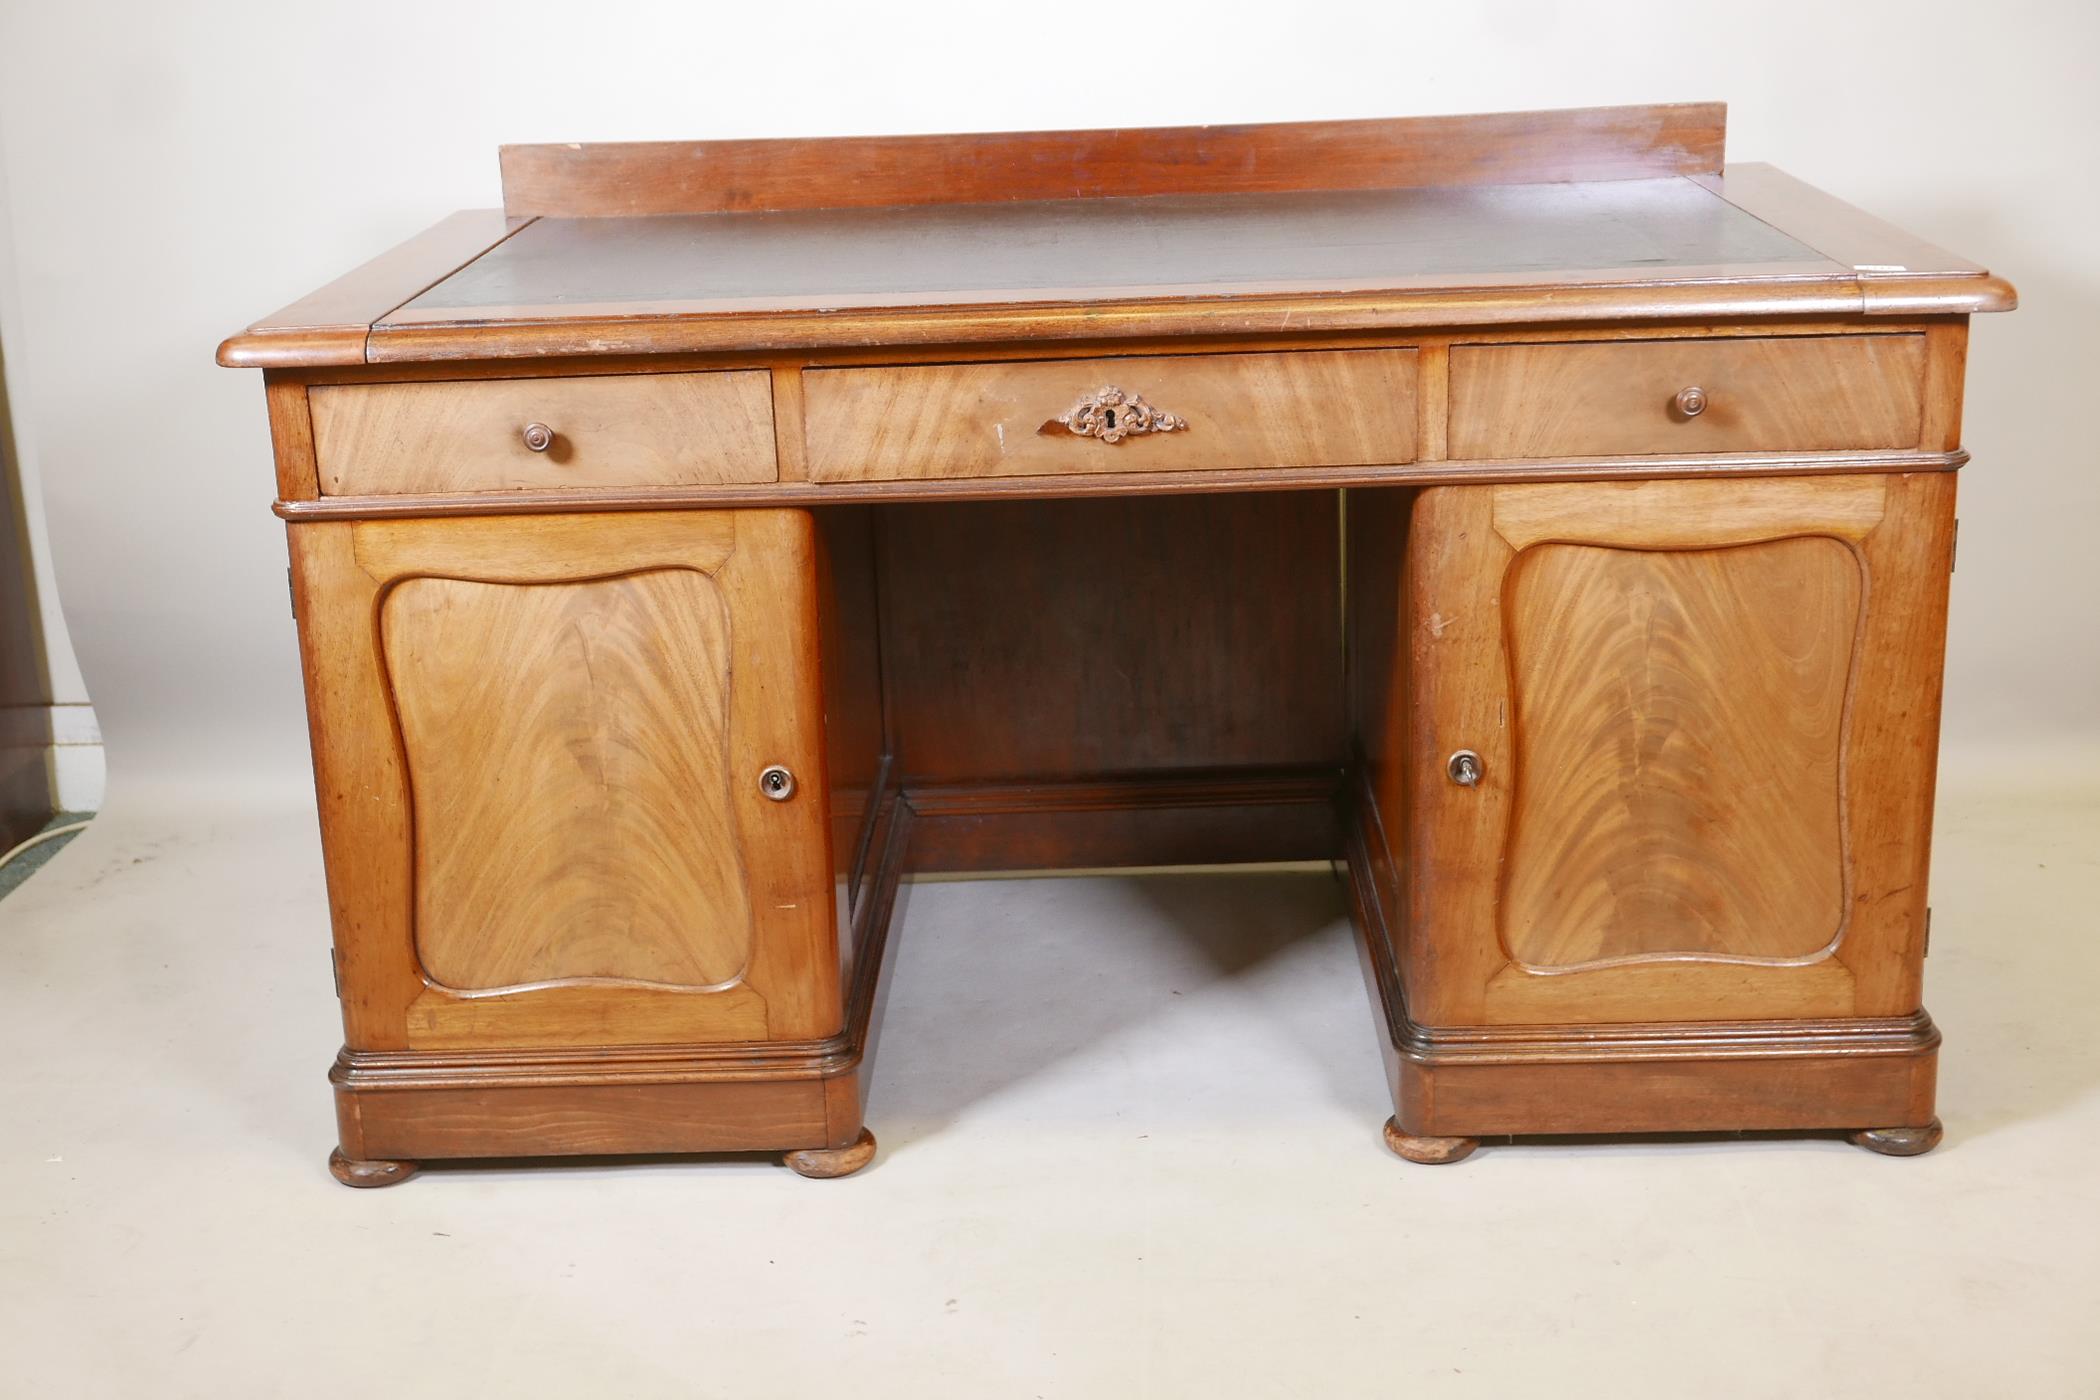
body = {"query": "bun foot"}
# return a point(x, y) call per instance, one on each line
point(1429, 1151)
point(1900, 1142)
point(365, 1175)
point(824, 1162)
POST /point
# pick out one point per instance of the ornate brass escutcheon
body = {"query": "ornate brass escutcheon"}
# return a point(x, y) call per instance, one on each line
point(1111, 415)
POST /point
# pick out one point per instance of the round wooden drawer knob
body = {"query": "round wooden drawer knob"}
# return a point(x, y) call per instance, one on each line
point(539, 437)
point(1691, 402)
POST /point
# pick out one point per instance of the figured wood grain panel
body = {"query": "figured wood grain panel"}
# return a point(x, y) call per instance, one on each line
point(377, 830)
point(609, 430)
point(568, 751)
point(1463, 543)
point(1617, 398)
point(1679, 743)
point(675, 177)
point(1334, 408)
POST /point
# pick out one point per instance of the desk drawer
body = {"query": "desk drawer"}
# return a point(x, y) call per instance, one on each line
point(603, 430)
point(1330, 408)
point(1622, 397)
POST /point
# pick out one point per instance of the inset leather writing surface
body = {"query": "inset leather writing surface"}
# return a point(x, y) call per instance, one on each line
point(1601, 215)
point(1050, 250)
point(568, 758)
point(1679, 740)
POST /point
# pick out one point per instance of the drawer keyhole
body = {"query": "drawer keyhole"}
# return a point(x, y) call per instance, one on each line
point(1111, 414)
point(776, 782)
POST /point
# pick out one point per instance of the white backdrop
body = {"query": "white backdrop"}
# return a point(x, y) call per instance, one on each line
point(174, 170)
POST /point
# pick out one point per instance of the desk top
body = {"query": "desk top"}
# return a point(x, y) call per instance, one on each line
point(1543, 218)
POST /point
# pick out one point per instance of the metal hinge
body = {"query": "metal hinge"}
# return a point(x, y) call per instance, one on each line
point(1927, 952)
point(1954, 545)
point(292, 591)
point(335, 971)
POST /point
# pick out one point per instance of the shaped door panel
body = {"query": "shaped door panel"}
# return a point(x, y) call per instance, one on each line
point(538, 742)
point(1706, 714)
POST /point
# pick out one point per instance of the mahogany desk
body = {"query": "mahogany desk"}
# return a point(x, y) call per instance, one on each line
point(1543, 518)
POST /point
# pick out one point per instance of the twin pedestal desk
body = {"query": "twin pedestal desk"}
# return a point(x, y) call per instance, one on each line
point(1536, 515)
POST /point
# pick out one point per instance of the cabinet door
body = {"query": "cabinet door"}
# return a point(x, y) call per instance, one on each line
point(1706, 714)
point(538, 744)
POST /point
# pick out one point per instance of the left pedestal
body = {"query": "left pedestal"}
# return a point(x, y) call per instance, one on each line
point(571, 772)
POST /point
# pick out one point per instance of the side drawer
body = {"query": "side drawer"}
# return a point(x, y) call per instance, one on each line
point(706, 429)
point(1623, 397)
point(1329, 408)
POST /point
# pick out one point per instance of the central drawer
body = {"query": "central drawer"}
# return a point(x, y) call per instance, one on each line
point(1162, 413)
